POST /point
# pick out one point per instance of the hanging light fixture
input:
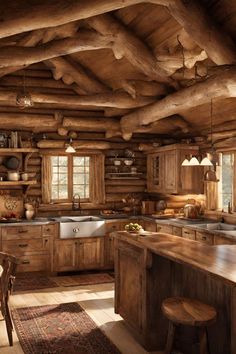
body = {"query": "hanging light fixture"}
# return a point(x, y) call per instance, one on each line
point(23, 98)
point(186, 161)
point(70, 149)
point(210, 175)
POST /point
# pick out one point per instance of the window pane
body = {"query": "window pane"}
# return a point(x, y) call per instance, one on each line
point(81, 176)
point(59, 177)
point(227, 180)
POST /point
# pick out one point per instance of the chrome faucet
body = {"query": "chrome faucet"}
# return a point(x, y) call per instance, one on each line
point(76, 202)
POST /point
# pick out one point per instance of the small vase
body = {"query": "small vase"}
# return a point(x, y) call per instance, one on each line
point(29, 214)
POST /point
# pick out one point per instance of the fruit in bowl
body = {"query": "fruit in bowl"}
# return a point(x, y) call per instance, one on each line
point(133, 227)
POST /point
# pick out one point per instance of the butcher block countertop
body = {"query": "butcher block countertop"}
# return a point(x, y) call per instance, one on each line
point(217, 261)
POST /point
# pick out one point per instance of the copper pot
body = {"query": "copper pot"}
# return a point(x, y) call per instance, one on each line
point(191, 211)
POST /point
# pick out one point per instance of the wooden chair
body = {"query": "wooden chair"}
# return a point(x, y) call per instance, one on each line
point(188, 312)
point(8, 265)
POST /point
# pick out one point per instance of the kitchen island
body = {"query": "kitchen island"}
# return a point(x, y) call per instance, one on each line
point(156, 266)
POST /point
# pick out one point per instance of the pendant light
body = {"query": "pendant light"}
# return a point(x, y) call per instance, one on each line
point(23, 98)
point(186, 161)
point(194, 161)
point(70, 149)
point(210, 175)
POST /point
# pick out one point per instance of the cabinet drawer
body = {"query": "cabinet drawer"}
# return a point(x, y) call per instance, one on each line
point(34, 263)
point(23, 247)
point(48, 230)
point(204, 237)
point(177, 231)
point(21, 232)
point(116, 226)
point(164, 228)
point(190, 234)
point(220, 240)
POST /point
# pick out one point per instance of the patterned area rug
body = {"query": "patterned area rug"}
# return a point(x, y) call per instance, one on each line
point(60, 329)
point(28, 282)
point(83, 279)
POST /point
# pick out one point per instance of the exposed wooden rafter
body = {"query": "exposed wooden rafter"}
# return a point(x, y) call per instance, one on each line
point(222, 85)
point(191, 15)
point(128, 45)
point(116, 99)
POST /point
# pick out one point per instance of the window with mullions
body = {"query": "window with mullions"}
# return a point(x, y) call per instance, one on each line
point(226, 183)
point(70, 176)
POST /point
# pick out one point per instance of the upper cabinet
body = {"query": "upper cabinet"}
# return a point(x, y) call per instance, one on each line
point(166, 175)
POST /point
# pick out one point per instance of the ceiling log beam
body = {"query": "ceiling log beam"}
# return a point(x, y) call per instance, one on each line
point(116, 99)
point(84, 40)
point(128, 45)
point(219, 86)
point(66, 70)
point(190, 14)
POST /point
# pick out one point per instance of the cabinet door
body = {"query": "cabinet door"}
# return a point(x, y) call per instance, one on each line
point(167, 229)
point(155, 172)
point(190, 234)
point(150, 226)
point(170, 171)
point(65, 255)
point(90, 253)
point(220, 240)
point(205, 237)
point(129, 284)
point(109, 245)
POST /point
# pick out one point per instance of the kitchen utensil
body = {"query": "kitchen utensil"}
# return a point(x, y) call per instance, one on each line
point(191, 211)
point(12, 163)
point(13, 176)
point(128, 162)
point(161, 205)
point(24, 176)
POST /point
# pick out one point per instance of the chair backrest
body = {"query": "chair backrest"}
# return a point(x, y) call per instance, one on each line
point(8, 270)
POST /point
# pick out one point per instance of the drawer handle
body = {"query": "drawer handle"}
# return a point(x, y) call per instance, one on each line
point(22, 231)
point(204, 238)
point(187, 233)
point(22, 245)
point(76, 229)
point(25, 261)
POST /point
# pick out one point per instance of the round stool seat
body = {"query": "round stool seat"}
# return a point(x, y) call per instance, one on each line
point(189, 312)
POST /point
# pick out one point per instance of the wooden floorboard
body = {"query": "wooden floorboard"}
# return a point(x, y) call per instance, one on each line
point(98, 302)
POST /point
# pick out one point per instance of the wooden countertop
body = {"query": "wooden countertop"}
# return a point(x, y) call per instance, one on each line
point(217, 261)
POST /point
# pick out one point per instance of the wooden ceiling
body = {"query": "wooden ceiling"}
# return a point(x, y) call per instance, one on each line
point(147, 67)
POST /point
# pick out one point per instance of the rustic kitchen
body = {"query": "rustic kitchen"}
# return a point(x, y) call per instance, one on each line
point(118, 177)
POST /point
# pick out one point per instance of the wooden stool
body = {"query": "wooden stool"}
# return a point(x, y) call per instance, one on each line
point(188, 312)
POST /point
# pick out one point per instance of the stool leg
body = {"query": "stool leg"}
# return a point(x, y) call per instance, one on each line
point(203, 340)
point(170, 338)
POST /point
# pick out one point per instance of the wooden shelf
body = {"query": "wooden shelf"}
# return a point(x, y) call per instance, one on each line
point(26, 150)
point(18, 183)
point(24, 184)
point(124, 175)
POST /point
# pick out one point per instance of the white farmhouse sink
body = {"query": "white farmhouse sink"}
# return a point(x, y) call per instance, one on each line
point(81, 226)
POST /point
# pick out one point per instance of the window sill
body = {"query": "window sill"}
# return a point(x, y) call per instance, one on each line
point(66, 206)
point(217, 214)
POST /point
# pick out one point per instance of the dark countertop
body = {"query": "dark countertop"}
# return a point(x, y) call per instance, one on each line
point(217, 261)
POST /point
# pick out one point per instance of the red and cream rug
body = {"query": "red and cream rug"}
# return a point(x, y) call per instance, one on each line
point(60, 329)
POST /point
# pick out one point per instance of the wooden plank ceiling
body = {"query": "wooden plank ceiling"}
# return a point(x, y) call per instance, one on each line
point(150, 67)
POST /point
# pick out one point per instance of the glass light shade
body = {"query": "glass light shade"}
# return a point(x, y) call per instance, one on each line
point(194, 161)
point(70, 149)
point(24, 100)
point(206, 162)
point(185, 162)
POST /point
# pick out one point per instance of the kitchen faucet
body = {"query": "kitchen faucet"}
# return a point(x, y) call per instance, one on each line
point(76, 202)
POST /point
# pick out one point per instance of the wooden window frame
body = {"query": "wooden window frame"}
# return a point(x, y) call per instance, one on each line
point(70, 179)
point(96, 178)
point(233, 202)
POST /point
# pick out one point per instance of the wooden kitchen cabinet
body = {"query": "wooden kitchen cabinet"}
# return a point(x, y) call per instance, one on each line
point(167, 229)
point(31, 244)
point(177, 231)
point(78, 254)
point(221, 240)
point(150, 226)
point(205, 237)
point(166, 175)
point(188, 233)
point(130, 302)
point(90, 253)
